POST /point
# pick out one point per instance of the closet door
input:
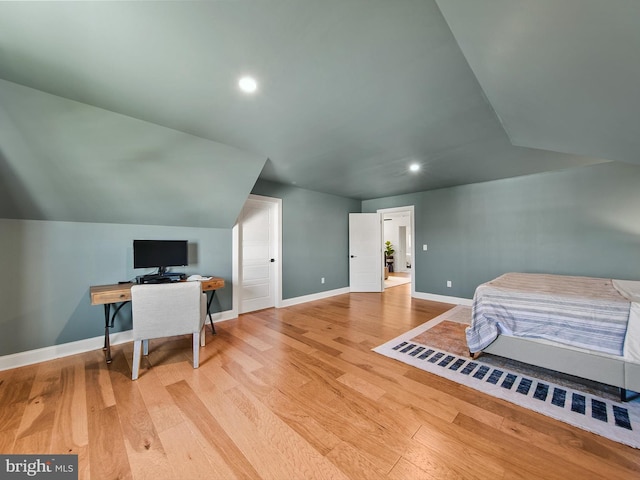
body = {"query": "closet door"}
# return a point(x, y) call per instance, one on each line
point(257, 255)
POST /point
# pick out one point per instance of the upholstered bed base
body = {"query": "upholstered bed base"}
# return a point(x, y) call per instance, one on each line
point(607, 369)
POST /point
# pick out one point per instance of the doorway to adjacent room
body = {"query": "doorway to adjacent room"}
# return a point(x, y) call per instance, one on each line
point(398, 229)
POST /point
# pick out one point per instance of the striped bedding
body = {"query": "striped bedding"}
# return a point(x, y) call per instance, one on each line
point(584, 312)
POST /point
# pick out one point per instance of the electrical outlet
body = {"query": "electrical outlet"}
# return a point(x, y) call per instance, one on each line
point(322, 280)
point(449, 284)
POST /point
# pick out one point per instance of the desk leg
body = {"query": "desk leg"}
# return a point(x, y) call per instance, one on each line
point(107, 345)
point(109, 324)
point(209, 302)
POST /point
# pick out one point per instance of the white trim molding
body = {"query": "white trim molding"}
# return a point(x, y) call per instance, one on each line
point(315, 296)
point(53, 352)
point(443, 298)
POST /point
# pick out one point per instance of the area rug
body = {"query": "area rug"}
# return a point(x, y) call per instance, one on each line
point(439, 347)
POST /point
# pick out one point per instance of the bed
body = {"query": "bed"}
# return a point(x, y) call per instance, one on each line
point(582, 326)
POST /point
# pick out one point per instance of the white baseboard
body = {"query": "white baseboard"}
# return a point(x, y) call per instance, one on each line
point(30, 357)
point(38, 355)
point(443, 298)
point(222, 316)
point(340, 291)
point(315, 296)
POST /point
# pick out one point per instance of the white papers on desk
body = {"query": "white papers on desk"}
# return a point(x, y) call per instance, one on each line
point(197, 278)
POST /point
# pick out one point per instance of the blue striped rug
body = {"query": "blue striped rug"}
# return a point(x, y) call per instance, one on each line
point(616, 421)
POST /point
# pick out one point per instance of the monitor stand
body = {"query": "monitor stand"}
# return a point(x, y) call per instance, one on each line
point(153, 278)
point(161, 277)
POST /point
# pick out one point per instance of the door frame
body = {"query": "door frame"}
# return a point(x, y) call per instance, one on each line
point(411, 210)
point(236, 248)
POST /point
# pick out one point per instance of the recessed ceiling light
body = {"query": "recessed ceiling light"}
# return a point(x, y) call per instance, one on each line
point(248, 84)
point(414, 167)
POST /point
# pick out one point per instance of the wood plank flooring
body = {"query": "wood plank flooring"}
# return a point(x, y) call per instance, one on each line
point(293, 393)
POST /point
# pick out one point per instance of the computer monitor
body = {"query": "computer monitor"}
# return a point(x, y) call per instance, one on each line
point(160, 254)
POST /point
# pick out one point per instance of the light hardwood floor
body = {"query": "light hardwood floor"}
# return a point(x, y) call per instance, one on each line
point(293, 393)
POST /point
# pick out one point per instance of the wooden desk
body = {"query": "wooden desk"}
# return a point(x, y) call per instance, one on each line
point(120, 293)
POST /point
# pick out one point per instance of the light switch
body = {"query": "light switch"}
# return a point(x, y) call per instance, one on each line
point(424, 247)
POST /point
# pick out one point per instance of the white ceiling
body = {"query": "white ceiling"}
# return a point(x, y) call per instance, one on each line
point(350, 91)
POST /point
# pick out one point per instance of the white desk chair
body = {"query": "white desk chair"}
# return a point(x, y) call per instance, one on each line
point(165, 310)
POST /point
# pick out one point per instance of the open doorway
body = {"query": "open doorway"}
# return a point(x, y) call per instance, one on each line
point(398, 235)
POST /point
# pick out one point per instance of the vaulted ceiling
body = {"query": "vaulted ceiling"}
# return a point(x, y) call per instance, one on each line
point(129, 112)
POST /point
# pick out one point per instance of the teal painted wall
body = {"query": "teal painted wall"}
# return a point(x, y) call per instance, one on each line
point(48, 267)
point(315, 238)
point(62, 160)
point(583, 221)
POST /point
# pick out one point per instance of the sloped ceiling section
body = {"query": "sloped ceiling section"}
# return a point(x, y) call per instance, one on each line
point(561, 75)
point(351, 92)
point(67, 161)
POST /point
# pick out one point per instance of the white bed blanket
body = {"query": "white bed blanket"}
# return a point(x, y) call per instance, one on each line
point(630, 289)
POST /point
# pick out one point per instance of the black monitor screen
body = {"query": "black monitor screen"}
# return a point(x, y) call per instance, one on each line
point(159, 253)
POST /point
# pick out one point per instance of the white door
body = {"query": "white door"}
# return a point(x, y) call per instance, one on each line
point(257, 224)
point(366, 273)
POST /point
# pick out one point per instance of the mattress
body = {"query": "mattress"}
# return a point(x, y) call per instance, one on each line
point(583, 312)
